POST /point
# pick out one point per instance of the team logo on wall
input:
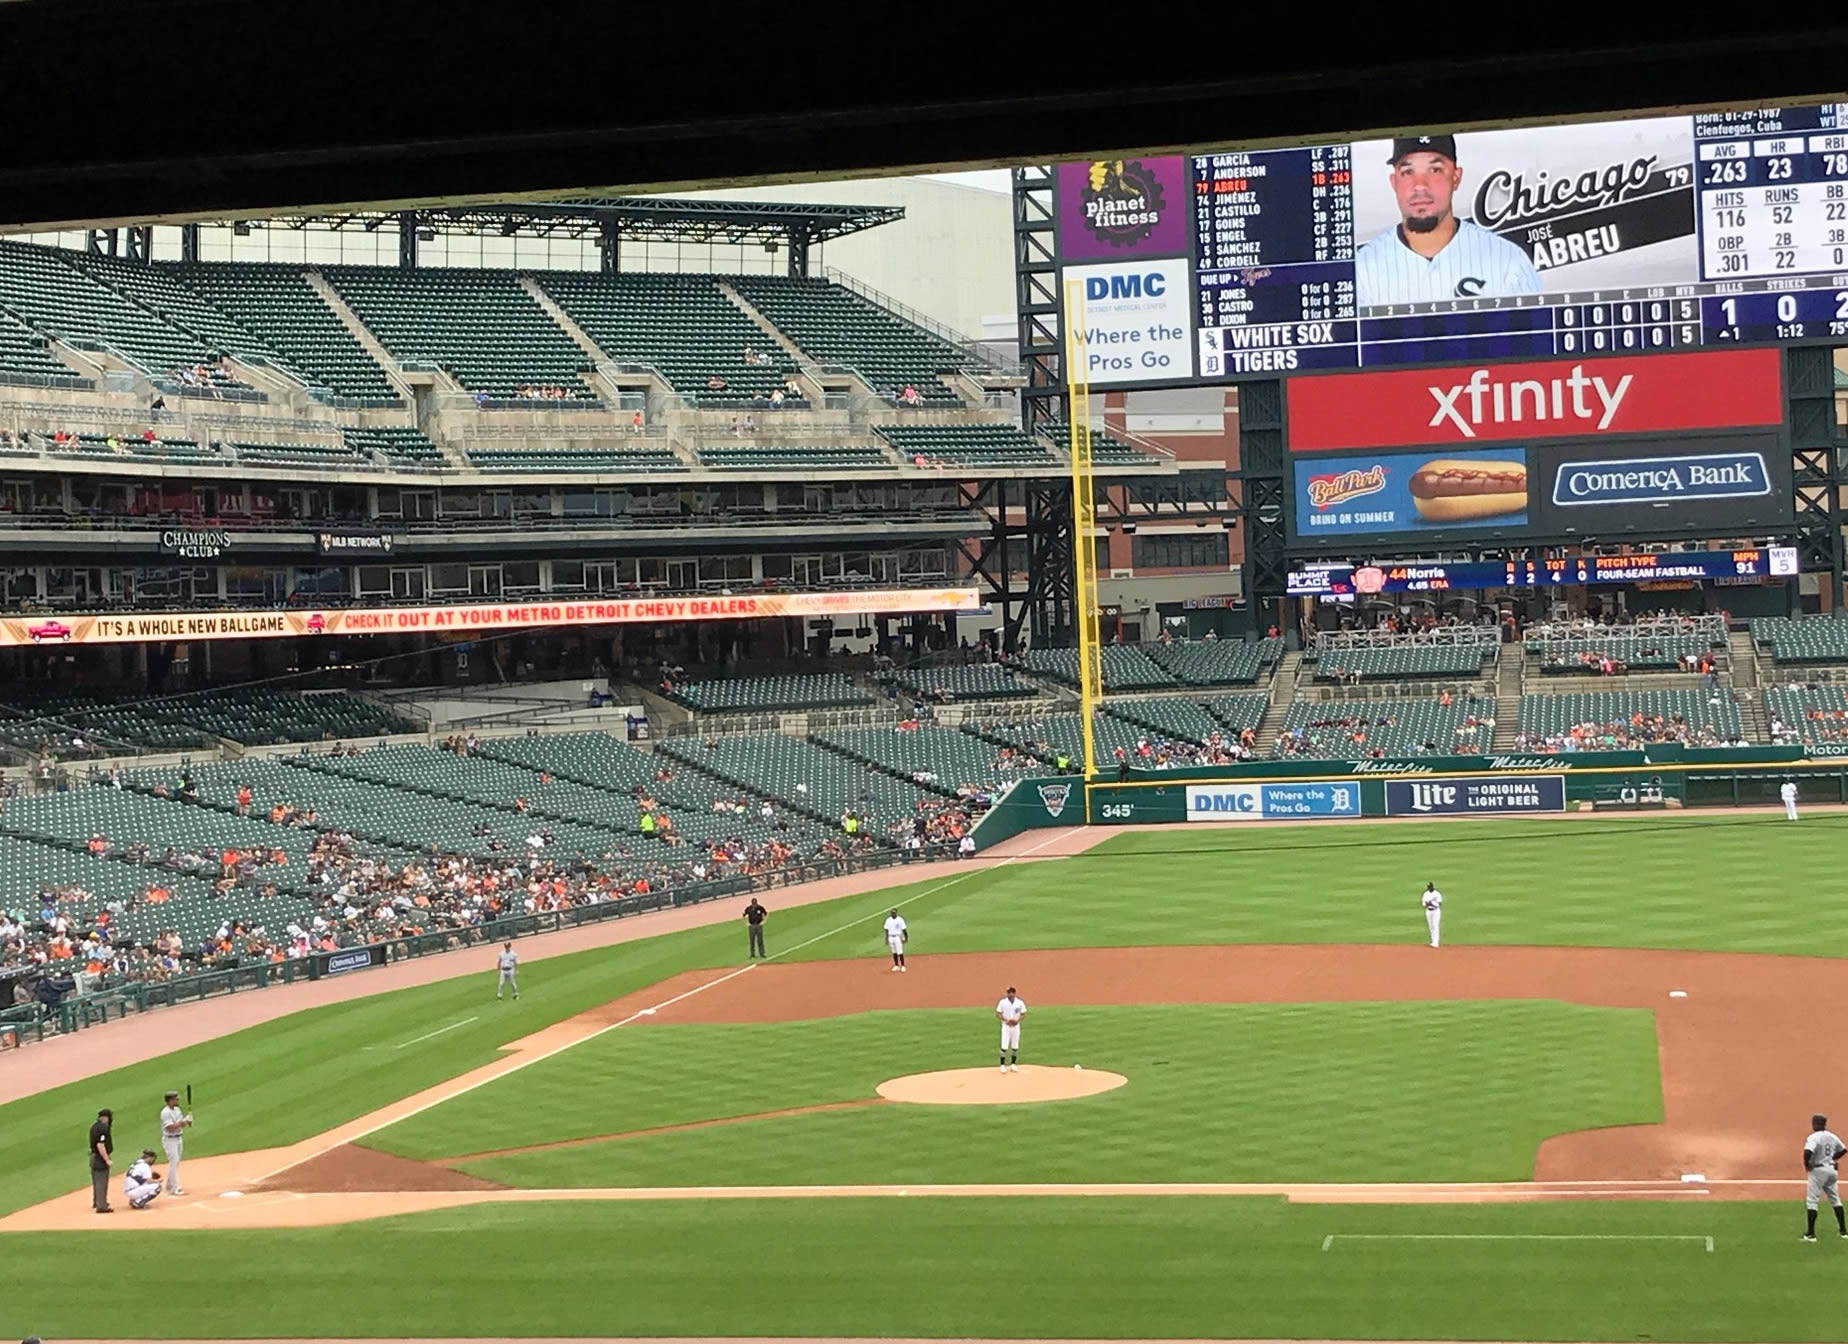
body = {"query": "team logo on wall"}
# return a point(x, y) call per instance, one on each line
point(1122, 201)
point(1055, 796)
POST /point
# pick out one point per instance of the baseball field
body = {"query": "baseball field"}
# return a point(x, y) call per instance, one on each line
point(1252, 1103)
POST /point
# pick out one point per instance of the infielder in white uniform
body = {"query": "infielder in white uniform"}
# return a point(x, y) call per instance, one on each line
point(141, 1183)
point(896, 936)
point(1788, 792)
point(1431, 255)
point(1433, 902)
point(509, 964)
point(1010, 1010)
point(173, 1126)
point(1821, 1151)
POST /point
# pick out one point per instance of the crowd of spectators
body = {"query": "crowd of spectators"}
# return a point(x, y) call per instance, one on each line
point(1632, 734)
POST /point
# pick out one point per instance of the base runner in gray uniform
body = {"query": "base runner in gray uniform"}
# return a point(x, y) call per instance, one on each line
point(1821, 1151)
point(509, 964)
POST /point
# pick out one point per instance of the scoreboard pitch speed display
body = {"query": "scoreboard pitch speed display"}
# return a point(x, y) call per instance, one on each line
point(1627, 237)
point(1315, 580)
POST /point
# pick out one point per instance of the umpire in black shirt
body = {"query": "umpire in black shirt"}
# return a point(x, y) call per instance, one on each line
point(754, 917)
point(102, 1145)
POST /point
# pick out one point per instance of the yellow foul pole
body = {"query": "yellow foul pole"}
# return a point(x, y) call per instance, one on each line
point(1084, 520)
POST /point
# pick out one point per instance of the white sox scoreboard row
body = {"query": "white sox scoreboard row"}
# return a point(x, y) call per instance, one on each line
point(1629, 237)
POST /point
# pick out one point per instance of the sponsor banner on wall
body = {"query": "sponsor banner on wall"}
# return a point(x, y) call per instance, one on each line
point(1272, 802)
point(1380, 494)
point(354, 959)
point(1111, 208)
point(1652, 487)
point(1478, 796)
point(1137, 324)
point(194, 545)
point(357, 543)
point(471, 619)
point(1554, 399)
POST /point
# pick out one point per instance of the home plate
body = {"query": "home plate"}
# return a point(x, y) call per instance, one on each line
point(1677, 993)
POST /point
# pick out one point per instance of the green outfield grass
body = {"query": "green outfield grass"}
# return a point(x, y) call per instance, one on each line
point(1361, 1101)
point(957, 1268)
point(1226, 1092)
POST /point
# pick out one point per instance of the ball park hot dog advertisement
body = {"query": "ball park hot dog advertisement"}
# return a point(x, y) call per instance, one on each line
point(1651, 445)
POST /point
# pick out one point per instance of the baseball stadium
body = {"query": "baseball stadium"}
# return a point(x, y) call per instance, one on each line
point(1153, 727)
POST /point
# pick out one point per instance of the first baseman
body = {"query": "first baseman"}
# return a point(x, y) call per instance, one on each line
point(173, 1126)
point(1821, 1151)
point(1010, 1010)
point(1433, 902)
point(1431, 255)
point(896, 936)
point(509, 964)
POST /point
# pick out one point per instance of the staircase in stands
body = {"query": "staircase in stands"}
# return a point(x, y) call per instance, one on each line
point(1283, 695)
point(1508, 682)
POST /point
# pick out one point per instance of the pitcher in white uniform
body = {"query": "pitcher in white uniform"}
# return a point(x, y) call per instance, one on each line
point(1010, 1010)
point(1433, 902)
point(896, 936)
point(1821, 1151)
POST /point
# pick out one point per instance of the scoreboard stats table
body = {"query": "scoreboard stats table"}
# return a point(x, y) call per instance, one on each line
point(1658, 234)
point(1347, 579)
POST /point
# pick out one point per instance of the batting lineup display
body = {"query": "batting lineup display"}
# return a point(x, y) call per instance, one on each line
point(1630, 237)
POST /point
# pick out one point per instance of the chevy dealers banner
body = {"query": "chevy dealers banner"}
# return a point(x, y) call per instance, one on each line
point(1475, 797)
point(471, 618)
point(1272, 802)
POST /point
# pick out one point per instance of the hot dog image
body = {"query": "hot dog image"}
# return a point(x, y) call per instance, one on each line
point(1456, 490)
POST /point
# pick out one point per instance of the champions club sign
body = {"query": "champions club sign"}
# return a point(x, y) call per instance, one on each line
point(195, 545)
point(1530, 401)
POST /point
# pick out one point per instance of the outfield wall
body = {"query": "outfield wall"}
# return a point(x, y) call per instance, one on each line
point(1667, 776)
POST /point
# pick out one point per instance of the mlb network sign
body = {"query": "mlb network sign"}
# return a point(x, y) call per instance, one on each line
point(1134, 324)
point(1555, 399)
point(1498, 796)
point(1272, 802)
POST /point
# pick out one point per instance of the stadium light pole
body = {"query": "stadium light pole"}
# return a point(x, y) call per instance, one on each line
point(1084, 520)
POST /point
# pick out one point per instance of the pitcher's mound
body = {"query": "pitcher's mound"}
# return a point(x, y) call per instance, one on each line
point(991, 1087)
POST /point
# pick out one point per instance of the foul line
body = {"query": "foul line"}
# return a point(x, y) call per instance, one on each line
point(428, 1035)
point(518, 1062)
point(1328, 1242)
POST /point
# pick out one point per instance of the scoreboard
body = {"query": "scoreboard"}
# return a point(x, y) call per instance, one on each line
point(1629, 237)
point(1315, 580)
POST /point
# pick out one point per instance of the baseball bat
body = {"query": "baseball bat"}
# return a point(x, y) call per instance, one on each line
point(189, 1096)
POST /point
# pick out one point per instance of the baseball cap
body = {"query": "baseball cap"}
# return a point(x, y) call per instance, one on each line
point(1424, 144)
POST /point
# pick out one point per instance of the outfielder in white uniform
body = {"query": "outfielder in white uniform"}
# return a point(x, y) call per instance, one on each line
point(896, 936)
point(141, 1183)
point(1433, 902)
point(1009, 1011)
point(1788, 792)
point(1431, 255)
point(173, 1125)
point(509, 964)
point(1821, 1151)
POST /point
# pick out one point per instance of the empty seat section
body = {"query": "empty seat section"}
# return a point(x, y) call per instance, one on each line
point(1396, 662)
point(1125, 667)
point(1218, 662)
point(277, 303)
point(160, 291)
point(793, 457)
point(396, 445)
point(806, 776)
point(681, 326)
point(1354, 729)
point(489, 334)
point(1803, 639)
point(40, 287)
point(26, 358)
point(747, 694)
point(994, 446)
point(650, 461)
point(976, 681)
point(836, 326)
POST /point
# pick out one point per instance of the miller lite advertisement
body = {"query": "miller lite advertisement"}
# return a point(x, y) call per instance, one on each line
point(1591, 207)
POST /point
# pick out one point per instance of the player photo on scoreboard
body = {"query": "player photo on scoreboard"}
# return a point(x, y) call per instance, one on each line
point(1542, 210)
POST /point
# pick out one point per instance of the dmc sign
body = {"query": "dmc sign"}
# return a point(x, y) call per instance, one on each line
point(1148, 284)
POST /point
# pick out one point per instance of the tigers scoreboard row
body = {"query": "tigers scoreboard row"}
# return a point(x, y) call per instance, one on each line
point(1628, 237)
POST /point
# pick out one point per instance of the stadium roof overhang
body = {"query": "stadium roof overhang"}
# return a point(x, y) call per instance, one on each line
point(635, 218)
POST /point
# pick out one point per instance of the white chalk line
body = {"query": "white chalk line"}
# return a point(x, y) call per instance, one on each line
point(1328, 1242)
point(432, 1035)
point(527, 1060)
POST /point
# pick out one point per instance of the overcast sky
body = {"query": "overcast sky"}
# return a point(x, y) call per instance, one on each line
point(989, 179)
